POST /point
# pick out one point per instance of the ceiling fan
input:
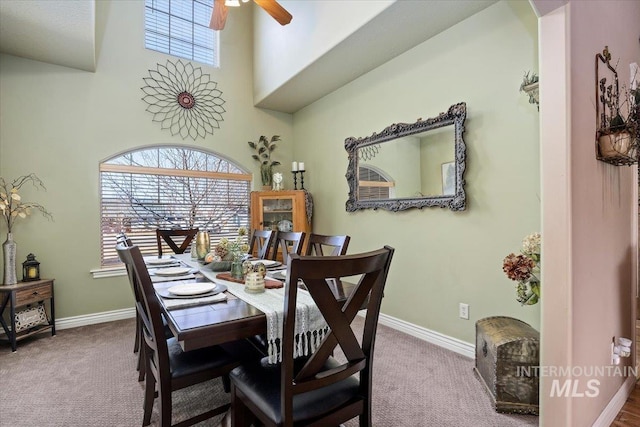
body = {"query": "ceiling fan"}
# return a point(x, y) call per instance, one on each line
point(220, 10)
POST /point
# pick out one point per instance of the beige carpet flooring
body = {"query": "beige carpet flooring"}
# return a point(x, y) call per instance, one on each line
point(86, 377)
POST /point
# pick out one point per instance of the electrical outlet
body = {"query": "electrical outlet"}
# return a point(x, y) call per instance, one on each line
point(463, 311)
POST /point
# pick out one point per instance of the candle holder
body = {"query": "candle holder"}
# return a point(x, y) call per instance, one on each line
point(295, 181)
point(301, 180)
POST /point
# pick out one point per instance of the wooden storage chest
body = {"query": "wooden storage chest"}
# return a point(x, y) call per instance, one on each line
point(507, 355)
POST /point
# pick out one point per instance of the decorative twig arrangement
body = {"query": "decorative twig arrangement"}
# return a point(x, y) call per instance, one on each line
point(618, 118)
point(12, 206)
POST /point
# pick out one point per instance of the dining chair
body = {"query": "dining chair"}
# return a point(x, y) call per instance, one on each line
point(317, 243)
point(168, 234)
point(318, 390)
point(289, 242)
point(168, 367)
point(122, 239)
point(261, 241)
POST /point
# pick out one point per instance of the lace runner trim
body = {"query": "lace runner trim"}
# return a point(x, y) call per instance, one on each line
point(310, 327)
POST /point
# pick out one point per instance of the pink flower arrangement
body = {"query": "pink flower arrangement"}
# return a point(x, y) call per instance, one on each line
point(524, 268)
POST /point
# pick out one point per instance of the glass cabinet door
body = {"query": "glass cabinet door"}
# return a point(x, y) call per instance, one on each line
point(279, 211)
point(277, 214)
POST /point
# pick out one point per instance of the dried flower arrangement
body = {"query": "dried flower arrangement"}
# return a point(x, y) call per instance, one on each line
point(12, 206)
point(234, 249)
point(525, 269)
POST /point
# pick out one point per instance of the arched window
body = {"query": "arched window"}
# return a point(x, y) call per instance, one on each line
point(374, 184)
point(169, 187)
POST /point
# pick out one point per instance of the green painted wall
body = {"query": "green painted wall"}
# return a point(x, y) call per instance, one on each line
point(442, 258)
point(60, 123)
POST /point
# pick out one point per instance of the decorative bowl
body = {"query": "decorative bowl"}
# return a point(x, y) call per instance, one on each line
point(219, 265)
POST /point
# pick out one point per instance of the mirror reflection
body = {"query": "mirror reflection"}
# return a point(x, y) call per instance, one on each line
point(409, 165)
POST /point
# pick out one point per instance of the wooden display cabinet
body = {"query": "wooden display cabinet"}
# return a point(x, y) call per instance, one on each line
point(279, 210)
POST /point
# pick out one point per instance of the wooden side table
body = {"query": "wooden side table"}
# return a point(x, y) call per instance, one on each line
point(25, 294)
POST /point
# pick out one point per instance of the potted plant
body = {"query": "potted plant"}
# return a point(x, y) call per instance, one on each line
point(264, 147)
point(619, 118)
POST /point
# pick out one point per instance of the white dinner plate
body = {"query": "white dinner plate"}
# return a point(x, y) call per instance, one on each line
point(164, 293)
point(159, 261)
point(172, 271)
point(192, 289)
point(267, 262)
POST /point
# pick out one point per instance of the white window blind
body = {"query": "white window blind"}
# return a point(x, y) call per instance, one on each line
point(372, 185)
point(181, 28)
point(169, 187)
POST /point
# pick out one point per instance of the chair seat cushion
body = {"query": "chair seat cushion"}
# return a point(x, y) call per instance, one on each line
point(185, 363)
point(260, 381)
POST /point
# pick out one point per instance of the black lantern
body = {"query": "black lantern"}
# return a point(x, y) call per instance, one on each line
point(30, 269)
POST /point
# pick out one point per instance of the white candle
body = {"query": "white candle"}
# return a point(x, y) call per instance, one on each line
point(301, 166)
point(294, 166)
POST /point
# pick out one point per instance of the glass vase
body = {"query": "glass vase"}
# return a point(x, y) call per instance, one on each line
point(9, 252)
point(236, 269)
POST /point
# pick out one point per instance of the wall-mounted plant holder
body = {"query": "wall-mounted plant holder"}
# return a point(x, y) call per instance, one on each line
point(530, 87)
point(616, 113)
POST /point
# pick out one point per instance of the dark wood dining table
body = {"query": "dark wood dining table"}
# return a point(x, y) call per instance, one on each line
point(217, 323)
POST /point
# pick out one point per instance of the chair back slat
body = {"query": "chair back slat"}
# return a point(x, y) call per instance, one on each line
point(289, 242)
point(261, 242)
point(167, 236)
point(317, 272)
point(317, 243)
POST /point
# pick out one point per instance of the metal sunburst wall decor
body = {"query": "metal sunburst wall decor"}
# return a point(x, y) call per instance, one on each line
point(183, 99)
point(369, 152)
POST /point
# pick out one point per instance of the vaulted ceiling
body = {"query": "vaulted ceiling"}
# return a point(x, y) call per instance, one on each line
point(62, 32)
point(59, 32)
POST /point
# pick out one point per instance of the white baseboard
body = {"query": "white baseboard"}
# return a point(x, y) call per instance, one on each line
point(453, 344)
point(616, 403)
point(445, 341)
point(92, 319)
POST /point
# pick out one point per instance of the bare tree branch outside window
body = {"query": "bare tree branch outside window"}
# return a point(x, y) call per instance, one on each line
point(171, 187)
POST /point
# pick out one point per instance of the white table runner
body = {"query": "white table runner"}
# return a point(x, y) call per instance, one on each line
point(310, 327)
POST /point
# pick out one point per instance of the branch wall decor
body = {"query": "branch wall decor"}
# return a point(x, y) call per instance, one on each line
point(183, 99)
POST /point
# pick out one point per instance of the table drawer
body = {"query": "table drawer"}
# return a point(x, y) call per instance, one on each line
point(35, 294)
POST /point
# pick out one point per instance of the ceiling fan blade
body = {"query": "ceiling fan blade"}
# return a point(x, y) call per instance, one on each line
point(274, 9)
point(218, 15)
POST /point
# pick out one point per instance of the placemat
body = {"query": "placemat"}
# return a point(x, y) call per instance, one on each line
point(268, 283)
point(159, 279)
point(173, 304)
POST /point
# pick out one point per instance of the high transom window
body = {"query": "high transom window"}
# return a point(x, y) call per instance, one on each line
point(181, 28)
point(169, 187)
